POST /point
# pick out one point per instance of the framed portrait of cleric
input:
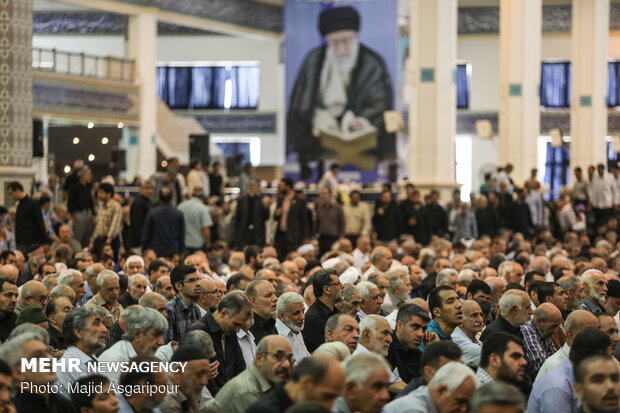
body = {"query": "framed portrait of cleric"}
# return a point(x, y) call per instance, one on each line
point(341, 78)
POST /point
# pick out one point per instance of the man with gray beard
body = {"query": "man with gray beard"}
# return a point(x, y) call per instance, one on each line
point(290, 318)
point(595, 290)
point(342, 83)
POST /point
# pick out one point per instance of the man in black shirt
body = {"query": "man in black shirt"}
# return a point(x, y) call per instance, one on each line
point(328, 292)
point(137, 215)
point(263, 297)
point(30, 230)
point(81, 207)
point(249, 221)
point(56, 311)
point(515, 311)
point(234, 311)
point(8, 301)
point(404, 353)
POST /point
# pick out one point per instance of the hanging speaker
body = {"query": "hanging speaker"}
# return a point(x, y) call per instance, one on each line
point(199, 148)
point(37, 139)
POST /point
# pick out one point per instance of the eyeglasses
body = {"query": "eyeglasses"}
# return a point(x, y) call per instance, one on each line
point(338, 283)
point(190, 281)
point(280, 357)
point(218, 292)
point(39, 299)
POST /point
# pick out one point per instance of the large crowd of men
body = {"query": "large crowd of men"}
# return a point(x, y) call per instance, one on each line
point(296, 304)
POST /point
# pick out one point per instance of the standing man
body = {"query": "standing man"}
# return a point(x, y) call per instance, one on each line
point(357, 219)
point(252, 212)
point(164, 228)
point(197, 222)
point(81, 206)
point(30, 230)
point(603, 191)
point(329, 224)
point(292, 215)
point(109, 218)
point(137, 215)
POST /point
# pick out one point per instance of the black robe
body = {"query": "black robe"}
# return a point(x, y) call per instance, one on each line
point(369, 95)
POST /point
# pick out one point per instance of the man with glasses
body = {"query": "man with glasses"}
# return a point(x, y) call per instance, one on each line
point(182, 310)
point(273, 364)
point(233, 313)
point(328, 292)
point(210, 296)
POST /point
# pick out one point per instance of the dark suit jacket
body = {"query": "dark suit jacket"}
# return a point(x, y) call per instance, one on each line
point(297, 225)
point(231, 360)
point(243, 234)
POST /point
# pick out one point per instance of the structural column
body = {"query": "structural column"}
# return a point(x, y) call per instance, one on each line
point(432, 110)
point(142, 44)
point(520, 28)
point(588, 115)
point(15, 94)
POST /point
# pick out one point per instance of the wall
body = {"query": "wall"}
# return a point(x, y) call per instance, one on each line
point(204, 48)
point(110, 45)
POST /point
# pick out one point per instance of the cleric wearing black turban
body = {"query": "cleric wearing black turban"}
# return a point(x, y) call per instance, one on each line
point(343, 77)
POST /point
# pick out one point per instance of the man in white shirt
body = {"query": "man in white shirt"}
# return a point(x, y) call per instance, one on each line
point(290, 317)
point(361, 252)
point(575, 322)
point(144, 335)
point(465, 336)
point(603, 194)
point(85, 334)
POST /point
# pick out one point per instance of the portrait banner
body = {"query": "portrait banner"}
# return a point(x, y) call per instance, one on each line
point(341, 79)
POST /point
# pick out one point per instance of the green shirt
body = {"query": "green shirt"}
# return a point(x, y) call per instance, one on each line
point(197, 217)
point(242, 391)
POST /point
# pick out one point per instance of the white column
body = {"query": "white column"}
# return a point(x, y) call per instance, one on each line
point(432, 110)
point(520, 29)
point(588, 115)
point(142, 42)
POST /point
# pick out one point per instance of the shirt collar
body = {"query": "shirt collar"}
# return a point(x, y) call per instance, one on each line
point(283, 329)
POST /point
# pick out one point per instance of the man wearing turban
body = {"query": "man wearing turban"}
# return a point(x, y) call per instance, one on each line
point(341, 79)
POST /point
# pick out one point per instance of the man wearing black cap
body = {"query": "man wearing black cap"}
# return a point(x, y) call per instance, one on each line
point(190, 380)
point(342, 77)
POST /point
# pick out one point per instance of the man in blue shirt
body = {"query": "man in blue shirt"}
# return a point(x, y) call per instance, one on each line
point(197, 221)
point(554, 392)
point(446, 310)
point(164, 227)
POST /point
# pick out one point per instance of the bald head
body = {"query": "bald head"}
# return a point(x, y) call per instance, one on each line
point(541, 264)
point(577, 321)
point(422, 303)
point(547, 311)
point(9, 271)
point(34, 293)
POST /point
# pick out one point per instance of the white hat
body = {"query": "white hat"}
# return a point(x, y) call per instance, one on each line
point(350, 276)
point(330, 263)
point(305, 249)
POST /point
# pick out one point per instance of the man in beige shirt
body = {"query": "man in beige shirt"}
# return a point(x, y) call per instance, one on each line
point(356, 217)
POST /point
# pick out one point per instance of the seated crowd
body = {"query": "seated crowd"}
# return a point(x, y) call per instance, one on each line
point(299, 305)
